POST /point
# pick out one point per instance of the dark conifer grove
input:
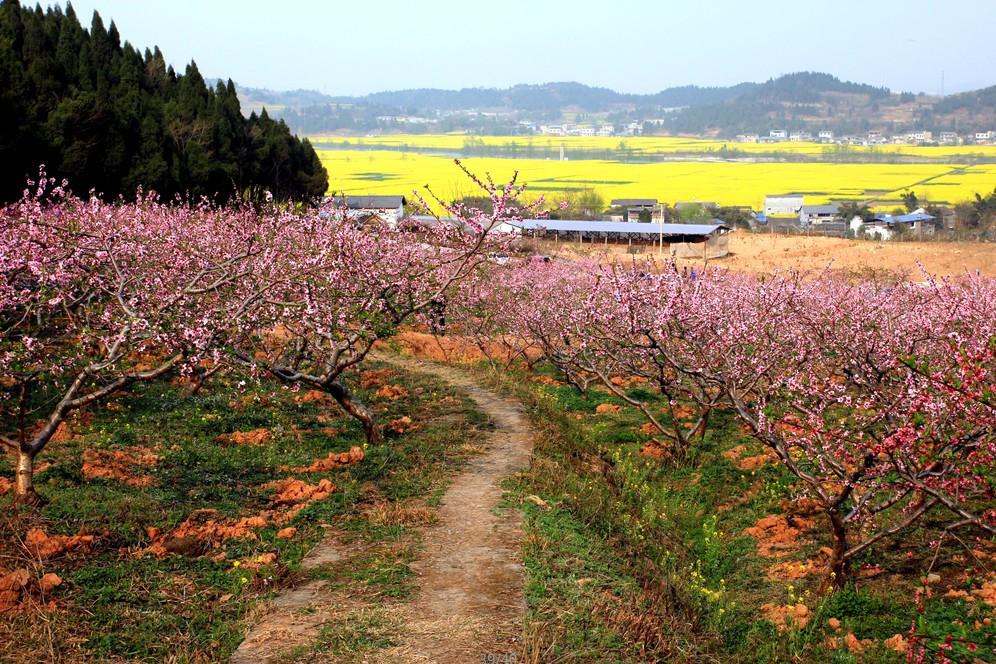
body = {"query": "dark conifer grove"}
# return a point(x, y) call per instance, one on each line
point(96, 111)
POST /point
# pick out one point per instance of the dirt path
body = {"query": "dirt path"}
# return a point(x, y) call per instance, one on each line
point(470, 598)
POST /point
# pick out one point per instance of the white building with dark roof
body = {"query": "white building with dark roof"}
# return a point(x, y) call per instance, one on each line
point(389, 209)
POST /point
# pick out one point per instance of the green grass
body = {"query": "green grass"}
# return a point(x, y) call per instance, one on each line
point(635, 560)
point(117, 604)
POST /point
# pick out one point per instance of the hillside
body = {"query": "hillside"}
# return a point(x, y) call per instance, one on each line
point(803, 100)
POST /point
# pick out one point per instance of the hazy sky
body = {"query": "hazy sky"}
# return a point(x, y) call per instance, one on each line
point(362, 46)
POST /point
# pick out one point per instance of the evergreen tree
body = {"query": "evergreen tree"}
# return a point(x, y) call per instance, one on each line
point(109, 118)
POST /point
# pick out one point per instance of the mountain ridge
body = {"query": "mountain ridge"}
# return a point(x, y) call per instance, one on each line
point(800, 100)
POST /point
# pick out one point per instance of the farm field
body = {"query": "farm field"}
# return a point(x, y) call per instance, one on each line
point(762, 253)
point(643, 145)
point(728, 183)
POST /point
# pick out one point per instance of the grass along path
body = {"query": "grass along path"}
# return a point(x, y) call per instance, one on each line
point(469, 600)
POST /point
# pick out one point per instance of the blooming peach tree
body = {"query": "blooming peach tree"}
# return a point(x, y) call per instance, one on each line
point(96, 297)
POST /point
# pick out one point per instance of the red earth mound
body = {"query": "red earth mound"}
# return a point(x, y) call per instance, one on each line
point(372, 378)
point(333, 460)
point(312, 396)
point(44, 546)
point(392, 392)
point(19, 590)
point(403, 424)
point(123, 465)
point(777, 534)
point(254, 437)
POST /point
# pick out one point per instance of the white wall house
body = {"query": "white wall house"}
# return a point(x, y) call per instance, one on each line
point(782, 205)
point(884, 227)
point(817, 214)
point(388, 209)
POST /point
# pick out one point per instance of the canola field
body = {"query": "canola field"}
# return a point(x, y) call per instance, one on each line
point(396, 170)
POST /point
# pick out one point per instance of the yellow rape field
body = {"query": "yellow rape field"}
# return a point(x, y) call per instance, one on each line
point(728, 183)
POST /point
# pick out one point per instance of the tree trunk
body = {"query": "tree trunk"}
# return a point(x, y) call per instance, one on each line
point(24, 487)
point(837, 567)
point(703, 425)
point(357, 410)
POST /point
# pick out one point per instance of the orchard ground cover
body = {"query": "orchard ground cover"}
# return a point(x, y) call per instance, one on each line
point(872, 401)
point(632, 560)
point(139, 589)
point(729, 183)
point(874, 396)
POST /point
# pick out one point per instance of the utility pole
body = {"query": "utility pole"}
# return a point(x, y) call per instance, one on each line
point(660, 234)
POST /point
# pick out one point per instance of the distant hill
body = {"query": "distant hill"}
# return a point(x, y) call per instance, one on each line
point(544, 97)
point(803, 100)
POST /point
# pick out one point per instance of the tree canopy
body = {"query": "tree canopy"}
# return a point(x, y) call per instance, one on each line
point(96, 111)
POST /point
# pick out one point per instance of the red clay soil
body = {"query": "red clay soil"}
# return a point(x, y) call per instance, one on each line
point(333, 461)
point(313, 396)
point(793, 616)
point(19, 590)
point(44, 546)
point(452, 348)
point(206, 529)
point(735, 455)
point(254, 437)
point(777, 534)
point(372, 378)
point(295, 492)
point(123, 465)
point(392, 392)
point(403, 424)
point(654, 450)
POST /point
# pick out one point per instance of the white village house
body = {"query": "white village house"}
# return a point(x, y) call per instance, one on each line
point(817, 214)
point(389, 209)
point(886, 226)
point(782, 206)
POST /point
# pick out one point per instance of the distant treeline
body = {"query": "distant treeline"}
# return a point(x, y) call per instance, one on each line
point(543, 147)
point(103, 115)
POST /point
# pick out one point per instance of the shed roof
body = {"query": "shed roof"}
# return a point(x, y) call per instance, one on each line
point(904, 218)
point(370, 202)
point(831, 208)
point(625, 227)
point(620, 202)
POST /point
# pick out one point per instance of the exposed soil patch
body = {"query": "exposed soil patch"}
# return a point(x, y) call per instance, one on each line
point(333, 461)
point(254, 437)
point(123, 465)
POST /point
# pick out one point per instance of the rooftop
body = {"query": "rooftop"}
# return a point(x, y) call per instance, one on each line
point(370, 202)
point(622, 202)
point(831, 208)
point(624, 227)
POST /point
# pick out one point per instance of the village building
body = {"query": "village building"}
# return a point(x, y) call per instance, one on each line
point(818, 214)
point(783, 205)
point(633, 207)
point(886, 226)
point(705, 241)
point(386, 209)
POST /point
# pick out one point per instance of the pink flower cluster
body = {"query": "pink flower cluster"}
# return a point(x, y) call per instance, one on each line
point(879, 398)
